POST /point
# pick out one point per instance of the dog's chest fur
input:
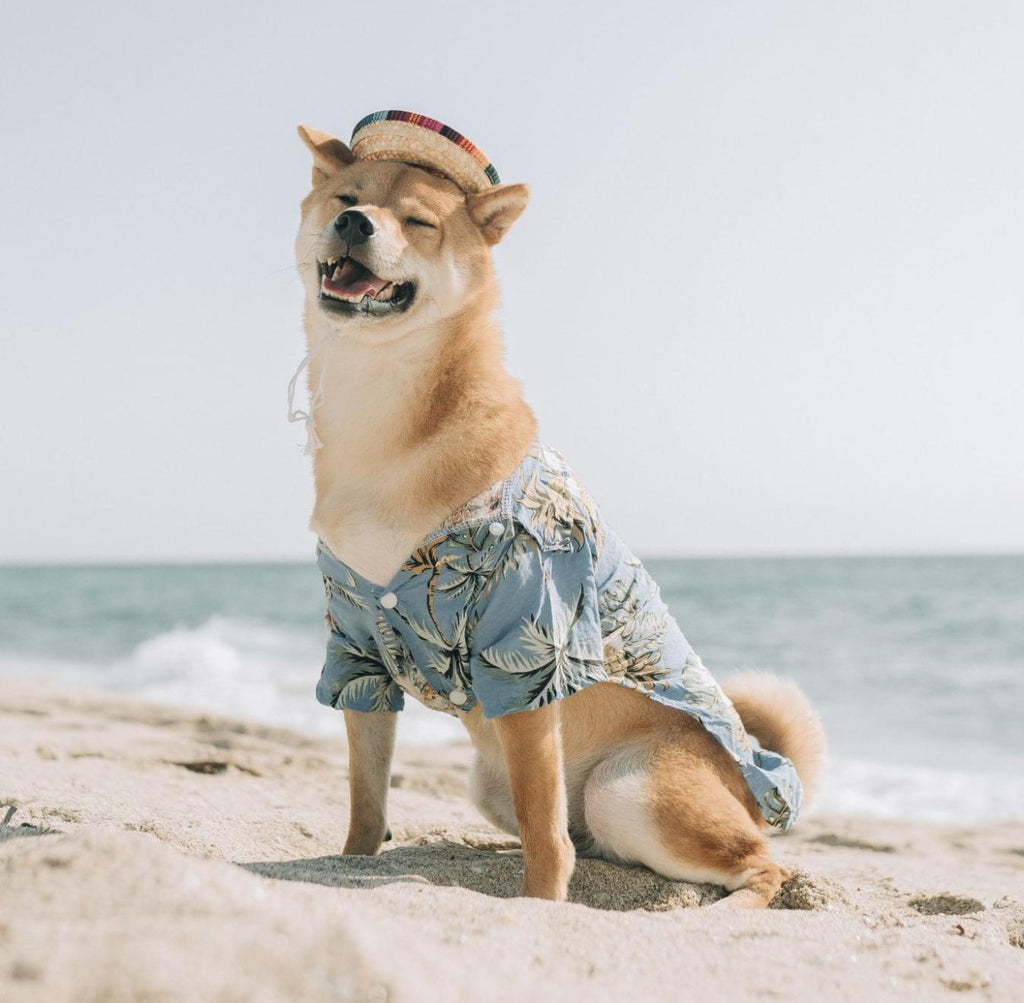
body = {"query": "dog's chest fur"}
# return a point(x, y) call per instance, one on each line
point(371, 509)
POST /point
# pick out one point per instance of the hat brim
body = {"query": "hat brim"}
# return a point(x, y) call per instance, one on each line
point(415, 139)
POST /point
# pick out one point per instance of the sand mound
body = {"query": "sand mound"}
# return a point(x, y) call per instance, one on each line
point(197, 858)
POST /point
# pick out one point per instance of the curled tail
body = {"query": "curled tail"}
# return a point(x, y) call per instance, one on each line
point(778, 714)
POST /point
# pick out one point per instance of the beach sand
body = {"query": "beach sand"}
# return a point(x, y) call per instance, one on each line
point(161, 854)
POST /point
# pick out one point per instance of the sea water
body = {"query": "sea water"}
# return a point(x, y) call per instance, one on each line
point(916, 664)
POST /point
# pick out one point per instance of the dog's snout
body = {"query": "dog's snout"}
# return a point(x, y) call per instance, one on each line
point(354, 226)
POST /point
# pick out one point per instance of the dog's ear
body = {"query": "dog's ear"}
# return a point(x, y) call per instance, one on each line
point(330, 155)
point(495, 209)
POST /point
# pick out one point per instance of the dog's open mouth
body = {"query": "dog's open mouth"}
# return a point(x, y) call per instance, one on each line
point(348, 287)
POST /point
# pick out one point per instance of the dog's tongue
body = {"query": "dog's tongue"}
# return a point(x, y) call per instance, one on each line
point(352, 281)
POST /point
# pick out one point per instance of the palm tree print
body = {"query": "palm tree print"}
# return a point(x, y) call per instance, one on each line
point(347, 589)
point(561, 512)
point(363, 684)
point(447, 658)
point(634, 627)
point(459, 567)
point(393, 653)
point(544, 605)
point(550, 655)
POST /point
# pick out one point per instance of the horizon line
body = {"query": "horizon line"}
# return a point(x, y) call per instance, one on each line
point(823, 555)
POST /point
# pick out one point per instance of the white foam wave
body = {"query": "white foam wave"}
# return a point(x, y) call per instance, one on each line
point(241, 668)
point(268, 673)
point(892, 790)
point(245, 669)
point(254, 671)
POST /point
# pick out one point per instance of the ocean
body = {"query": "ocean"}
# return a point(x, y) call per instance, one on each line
point(916, 663)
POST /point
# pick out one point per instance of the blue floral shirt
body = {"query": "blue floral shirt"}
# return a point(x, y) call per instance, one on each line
point(521, 598)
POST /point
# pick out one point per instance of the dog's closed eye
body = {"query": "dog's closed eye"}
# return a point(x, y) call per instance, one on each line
point(416, 221)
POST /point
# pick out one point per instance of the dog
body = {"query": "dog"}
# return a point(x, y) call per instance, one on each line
point(467, 567)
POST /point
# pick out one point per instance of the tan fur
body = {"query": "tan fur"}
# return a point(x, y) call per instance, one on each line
point(329, 154)
point(419, 416)
point(373, 735)
point(778, 714)
point(532, 749)
point(696, 800)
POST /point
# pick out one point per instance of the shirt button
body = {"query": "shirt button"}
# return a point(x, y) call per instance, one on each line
point(497, 528)
point(457, 697)
point(389, 600)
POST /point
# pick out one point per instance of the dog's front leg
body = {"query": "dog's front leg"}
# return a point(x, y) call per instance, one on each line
point(371, 741)
point(532, 743)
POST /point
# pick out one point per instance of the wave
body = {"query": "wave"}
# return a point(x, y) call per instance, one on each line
point(240, 668)
point(922, 793)
point(268, 672)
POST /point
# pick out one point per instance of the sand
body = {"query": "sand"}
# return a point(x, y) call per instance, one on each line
point(161, 854)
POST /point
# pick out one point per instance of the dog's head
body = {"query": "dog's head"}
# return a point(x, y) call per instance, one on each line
point(385, 248)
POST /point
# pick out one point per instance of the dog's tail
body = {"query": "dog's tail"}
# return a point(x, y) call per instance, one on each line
point(778, 714)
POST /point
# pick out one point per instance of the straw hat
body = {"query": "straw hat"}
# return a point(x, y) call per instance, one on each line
point(425, 142)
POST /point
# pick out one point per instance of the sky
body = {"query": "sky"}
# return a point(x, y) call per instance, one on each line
point(767, 297)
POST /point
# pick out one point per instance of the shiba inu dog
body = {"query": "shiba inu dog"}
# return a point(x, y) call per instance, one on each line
point(467, 567)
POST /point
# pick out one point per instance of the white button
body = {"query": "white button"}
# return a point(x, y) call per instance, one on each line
point(457, 697)
point(389, 600)
point(497, 528)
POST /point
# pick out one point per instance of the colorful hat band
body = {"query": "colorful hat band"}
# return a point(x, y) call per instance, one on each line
point(415, 139)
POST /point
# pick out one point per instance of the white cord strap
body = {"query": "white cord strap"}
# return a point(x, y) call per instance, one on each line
point(313, 442)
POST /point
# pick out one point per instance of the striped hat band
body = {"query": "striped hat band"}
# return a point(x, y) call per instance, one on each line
point(415, 139)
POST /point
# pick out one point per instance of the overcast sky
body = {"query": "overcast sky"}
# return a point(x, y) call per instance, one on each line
point(768, 297)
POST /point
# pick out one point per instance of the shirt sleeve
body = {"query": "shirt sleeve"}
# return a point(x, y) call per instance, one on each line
point(536, 633)
point(354, 678)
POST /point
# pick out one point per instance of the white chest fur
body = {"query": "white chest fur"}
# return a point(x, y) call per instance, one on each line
point(370, 508)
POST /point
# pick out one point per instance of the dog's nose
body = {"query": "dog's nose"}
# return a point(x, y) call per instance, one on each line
point(354, 226)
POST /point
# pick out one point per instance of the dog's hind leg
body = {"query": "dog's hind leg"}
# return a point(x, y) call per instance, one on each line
point(491, 792)
point(670, 810)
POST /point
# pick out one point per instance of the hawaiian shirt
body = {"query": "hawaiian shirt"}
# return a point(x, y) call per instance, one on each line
point(523, 597)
